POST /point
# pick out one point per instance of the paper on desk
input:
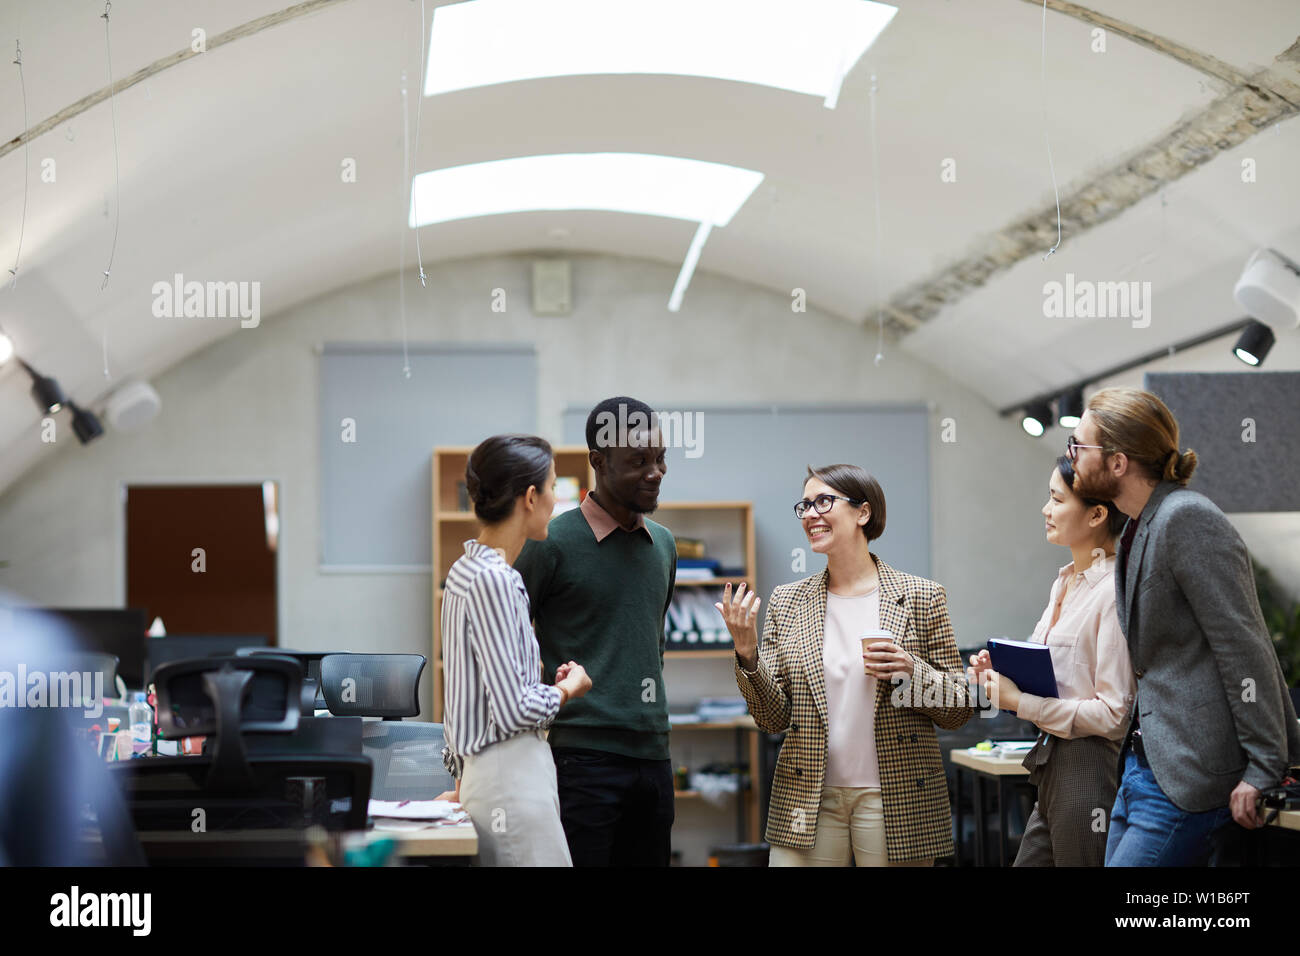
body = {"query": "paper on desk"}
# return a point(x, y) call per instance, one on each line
point(1022, 746)
point(401, 826)
point(414, 809)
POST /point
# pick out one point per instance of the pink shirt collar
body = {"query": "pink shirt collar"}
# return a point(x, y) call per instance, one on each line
point(1098, 571)
point(602, 523)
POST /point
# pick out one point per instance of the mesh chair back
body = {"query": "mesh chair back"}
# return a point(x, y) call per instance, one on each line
point(408, 760)
point(284, 792)
point(372, 685)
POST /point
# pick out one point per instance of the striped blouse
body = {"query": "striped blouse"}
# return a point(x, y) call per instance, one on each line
point(490, 658)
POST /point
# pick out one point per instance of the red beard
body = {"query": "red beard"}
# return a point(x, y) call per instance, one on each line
point(1103, 485)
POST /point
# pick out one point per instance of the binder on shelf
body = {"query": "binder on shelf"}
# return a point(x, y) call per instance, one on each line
point(689, 547)
point(693, 622)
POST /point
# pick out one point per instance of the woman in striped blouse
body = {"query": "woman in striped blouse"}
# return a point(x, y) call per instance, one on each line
point(496, 706)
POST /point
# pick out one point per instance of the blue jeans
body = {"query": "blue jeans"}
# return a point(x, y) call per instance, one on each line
point(1146, 829)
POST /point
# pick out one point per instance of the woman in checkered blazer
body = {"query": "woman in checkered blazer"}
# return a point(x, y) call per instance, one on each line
point(860, 775)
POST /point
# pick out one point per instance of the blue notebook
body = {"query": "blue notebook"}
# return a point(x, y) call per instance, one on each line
point(1026, 663)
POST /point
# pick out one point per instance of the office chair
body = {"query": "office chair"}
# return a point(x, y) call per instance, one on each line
point(372, 685)
point(312, 698)
point(223, 698)
point(407, 758)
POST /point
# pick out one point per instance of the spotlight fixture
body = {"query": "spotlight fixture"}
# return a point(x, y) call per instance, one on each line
point(1069, 408)
point(1253, 343)
point(1037, 417)
point(49, 396)
point(6, 348)
point(85, 424)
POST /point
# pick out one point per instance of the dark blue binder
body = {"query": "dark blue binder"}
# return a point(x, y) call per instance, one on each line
point(1026, 663)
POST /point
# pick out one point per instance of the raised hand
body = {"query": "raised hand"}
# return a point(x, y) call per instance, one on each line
point(741, 617)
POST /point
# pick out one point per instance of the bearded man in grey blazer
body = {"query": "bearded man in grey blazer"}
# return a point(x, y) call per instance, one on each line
point(1213, 723)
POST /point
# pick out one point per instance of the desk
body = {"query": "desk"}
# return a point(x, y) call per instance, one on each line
point(1286, 819)
point(1002, 770)
point(290, 846)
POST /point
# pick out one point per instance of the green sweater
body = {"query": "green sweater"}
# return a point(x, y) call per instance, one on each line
point(602, 605)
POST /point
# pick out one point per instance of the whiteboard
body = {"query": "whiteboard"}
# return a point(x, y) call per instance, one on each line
point(761, 454)
point(375, 491)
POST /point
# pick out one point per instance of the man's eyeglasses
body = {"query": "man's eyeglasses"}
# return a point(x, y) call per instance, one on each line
point(1072, 446)
point(822, 504)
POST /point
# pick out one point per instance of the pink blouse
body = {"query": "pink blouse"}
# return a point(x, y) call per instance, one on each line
point(1094, 676)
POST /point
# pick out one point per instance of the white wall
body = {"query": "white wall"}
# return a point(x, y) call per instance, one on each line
point(246, 408)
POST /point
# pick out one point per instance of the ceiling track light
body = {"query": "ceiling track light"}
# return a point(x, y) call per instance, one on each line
point(84, 423)
point(1261, 342)
point(1036, 419)
point(45, 390)
point(1253, 343)
point(50, 399)
point(1069, 408)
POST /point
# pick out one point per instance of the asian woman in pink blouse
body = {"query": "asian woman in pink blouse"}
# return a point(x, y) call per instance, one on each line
point(1074, 762)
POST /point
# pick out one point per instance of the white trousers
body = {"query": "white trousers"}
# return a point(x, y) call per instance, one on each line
point(509, 792)
point(850, 826)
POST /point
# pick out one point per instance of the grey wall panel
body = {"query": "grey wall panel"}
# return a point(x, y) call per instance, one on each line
point(761, 454)
point(375, 492)
point(1212, 409)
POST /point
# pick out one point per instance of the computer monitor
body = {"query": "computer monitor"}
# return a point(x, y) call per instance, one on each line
point(179, 647)
point(116, 631)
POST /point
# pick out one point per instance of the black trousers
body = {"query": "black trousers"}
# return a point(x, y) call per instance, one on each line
point(616, 810)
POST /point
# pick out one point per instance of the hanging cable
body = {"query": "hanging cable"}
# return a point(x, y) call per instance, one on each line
point(419, 102)
point(22, 224)
point(401, 261)
point(117, 172)
point(1047, 138)
point(875, 187)
point(117, 175)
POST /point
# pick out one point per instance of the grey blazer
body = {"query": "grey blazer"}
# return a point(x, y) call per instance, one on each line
point(1213, 703)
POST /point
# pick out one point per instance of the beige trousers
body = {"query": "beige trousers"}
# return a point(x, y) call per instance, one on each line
point(850, 826)
point(509, 792)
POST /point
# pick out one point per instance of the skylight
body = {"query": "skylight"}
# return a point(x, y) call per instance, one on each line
point(707, 194)
point(637, 183)
point(806, 46)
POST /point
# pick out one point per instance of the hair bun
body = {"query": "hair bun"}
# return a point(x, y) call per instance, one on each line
point(1179, 467)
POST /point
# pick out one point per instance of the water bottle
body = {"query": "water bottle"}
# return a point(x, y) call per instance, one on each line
point(141, 716)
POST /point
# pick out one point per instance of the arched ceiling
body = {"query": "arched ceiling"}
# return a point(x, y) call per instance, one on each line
point(230, 166)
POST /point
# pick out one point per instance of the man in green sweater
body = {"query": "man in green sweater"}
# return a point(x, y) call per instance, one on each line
point(599, 586)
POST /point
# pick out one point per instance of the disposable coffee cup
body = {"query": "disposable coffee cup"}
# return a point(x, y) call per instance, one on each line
point(873, 637)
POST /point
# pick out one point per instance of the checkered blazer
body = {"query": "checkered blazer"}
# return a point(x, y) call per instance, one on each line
point(788, 693)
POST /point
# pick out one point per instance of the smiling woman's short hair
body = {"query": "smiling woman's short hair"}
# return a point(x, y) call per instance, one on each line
point(1115, 518)
point(854, 482)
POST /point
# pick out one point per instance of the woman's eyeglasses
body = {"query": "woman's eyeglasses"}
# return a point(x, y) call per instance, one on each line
point(822, 504)
point(1072, 446)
